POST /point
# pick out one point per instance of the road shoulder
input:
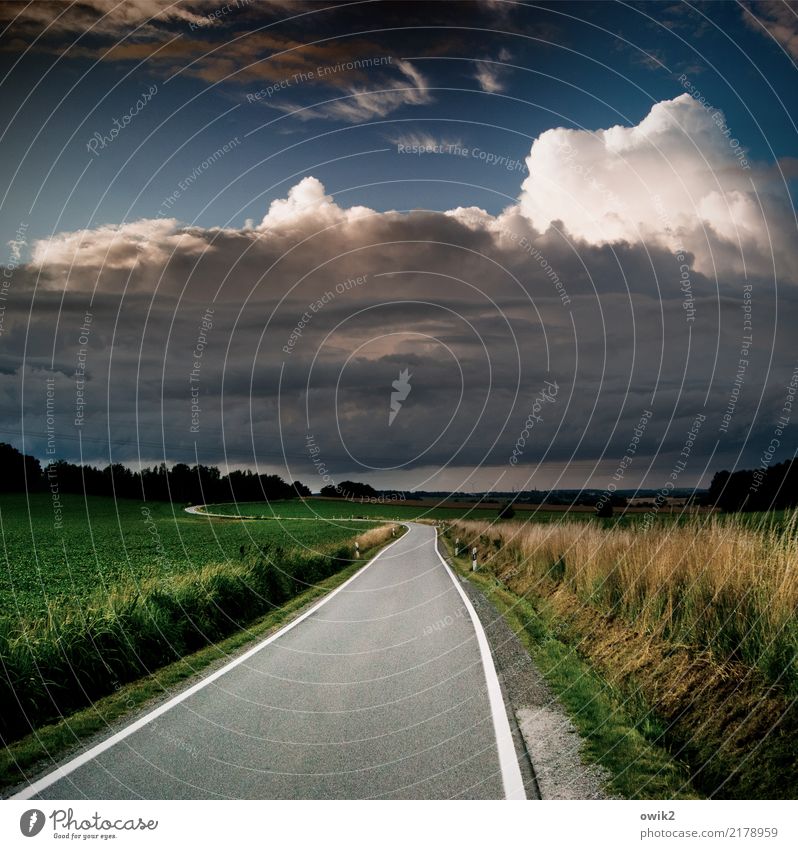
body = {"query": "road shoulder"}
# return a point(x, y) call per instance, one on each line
point(547, 743)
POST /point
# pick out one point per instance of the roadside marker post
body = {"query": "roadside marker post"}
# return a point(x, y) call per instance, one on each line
point(474, 559)
point(357, 549)
point(457, 547)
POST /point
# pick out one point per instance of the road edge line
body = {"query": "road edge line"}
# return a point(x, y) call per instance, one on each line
point(512, 780)
point(79, 760)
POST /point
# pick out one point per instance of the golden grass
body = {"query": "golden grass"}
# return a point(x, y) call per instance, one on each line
point(377, 536)
point(716, 584)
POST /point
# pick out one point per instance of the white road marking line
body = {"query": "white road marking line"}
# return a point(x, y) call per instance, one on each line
point(69, 767)
point(508, 760)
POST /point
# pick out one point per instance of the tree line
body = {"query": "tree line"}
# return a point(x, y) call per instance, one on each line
point(181, 483)
point(765, 488)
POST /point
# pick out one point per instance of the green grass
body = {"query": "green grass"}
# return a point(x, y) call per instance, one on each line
point(105, 543)
point(119, 591)
point(337, 509)
point(342, 509)
point(619, 733)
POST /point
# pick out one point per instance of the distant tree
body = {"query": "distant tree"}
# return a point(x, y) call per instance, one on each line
point(506, 511)
point(19, 472)
point(733, 491)
point(121, 482)
point(300, 489)
point(349, 489)
point(181, 484)
point(604, 509)
point(355, 489)
point(771, 488)
point(153, 483)
point(715, 492)
point(209, 484)
point(274, 488)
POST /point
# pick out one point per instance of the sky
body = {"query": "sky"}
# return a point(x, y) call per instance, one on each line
point(439, 245)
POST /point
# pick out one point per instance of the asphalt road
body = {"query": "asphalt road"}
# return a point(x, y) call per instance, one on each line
point(385, 690)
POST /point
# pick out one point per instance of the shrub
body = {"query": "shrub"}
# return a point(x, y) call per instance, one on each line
point(506, 511)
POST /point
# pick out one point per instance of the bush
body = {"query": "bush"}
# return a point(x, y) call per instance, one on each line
point(506, 511)
point(604, 510)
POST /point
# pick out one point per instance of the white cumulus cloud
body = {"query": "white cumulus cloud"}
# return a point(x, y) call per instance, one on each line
point(308, 201)
point(676, 179)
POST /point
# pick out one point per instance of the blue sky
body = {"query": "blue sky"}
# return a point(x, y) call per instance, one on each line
point(583, 65)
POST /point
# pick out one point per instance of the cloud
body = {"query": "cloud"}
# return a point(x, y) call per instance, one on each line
point(778, 19)
point(420, 139)
point(252, 57)
point(490, 73)
point(182, 39)
point(650, 58)
point(371, 82)
point(316, 309)
point(104, 17)
point(488, 77)
point(115, 247)
point(364, 104)
point(677, 179)
point(308, 200)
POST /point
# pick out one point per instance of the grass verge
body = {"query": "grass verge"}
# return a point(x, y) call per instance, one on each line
point(731, 724)
point(25, 757)
point(619, 734)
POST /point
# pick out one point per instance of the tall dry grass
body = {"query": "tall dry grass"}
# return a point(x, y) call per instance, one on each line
point(376, 536)
point(718, 584)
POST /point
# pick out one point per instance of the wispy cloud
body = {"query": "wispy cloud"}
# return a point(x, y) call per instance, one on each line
point(651, 58)
point(490, 73)
point(103, 17)
point(423, 139)
point(778, 18)
point(361, 104)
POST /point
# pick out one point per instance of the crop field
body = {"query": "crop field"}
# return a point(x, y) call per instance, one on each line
point(340, 510)
point(105, 543)
point(108, 591)
point(723, 586)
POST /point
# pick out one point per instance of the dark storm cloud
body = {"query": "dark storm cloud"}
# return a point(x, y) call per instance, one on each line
point(321, 307)
point(238, 343)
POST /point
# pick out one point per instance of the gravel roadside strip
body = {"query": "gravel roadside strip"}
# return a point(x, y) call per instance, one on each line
point(546, 740)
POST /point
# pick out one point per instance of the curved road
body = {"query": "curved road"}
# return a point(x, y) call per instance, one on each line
point(384, 689)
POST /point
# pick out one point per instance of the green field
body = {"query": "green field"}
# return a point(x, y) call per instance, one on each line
point(117, 589)
point(340, 509)
point(107, 591)
point(105, 543)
